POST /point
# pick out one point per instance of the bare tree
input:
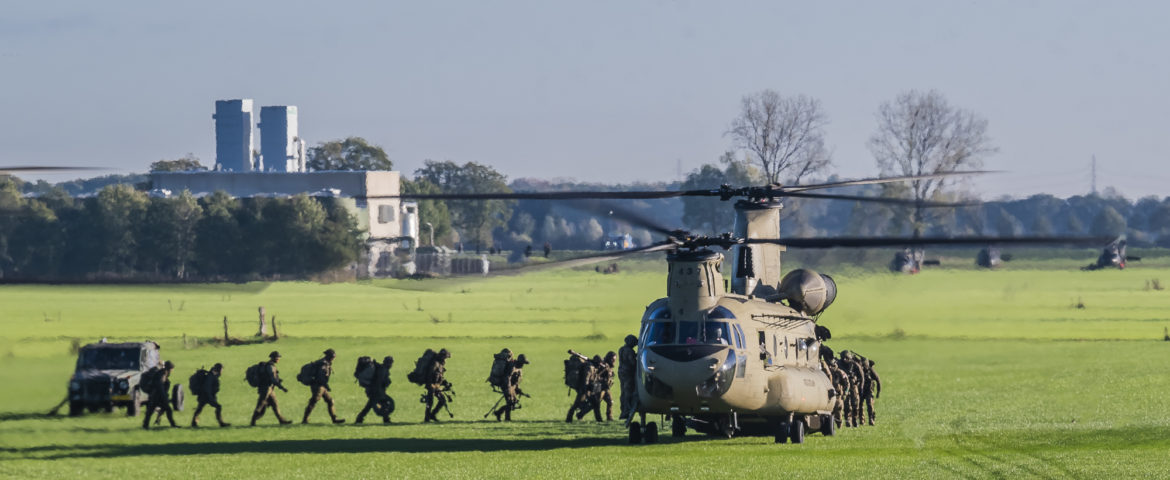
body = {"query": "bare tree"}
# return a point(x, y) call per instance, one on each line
point(784, 134)
point(920, 133)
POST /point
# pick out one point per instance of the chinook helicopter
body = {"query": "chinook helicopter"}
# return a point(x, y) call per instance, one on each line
point(1113, 256)
point(740, 355)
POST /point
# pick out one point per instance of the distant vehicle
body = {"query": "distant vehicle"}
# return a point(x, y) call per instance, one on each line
point(107, 376)
point(990, 257)
point(618, 241)
point(1112, 256)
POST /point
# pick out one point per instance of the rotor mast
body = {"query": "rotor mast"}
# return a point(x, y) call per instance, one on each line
point(756, 269)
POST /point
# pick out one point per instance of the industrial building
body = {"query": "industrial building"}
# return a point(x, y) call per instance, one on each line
point(392, 224)
point(281, 149)
point(233, 136)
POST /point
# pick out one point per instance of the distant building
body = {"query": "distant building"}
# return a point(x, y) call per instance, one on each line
point(233, 136)
point(281, 149)
point(391, 224)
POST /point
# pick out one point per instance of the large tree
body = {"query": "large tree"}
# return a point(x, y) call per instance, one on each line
point(185, 163)
point(474, 219)
point(784, 134)
point(708, 214)
point(920, 133)
point(353, 153)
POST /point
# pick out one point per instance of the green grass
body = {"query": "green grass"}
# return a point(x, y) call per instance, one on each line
point(986, 375)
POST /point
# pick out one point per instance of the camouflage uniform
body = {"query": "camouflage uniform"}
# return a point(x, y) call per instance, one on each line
point(436, 385)
point(208, 396)
point(269, 382)
point(842, 385)
point(588, 391)
point(159, 396)
point(627, 372)
point(376, 391)
point(512, 390)
point(606, 371)
point(322, 370)
point(873, 388)
point(856, 382)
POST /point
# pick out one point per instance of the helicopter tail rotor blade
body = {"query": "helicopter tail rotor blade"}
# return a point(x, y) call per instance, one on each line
point(880, 180)
point(617, 212)
point(859, 242)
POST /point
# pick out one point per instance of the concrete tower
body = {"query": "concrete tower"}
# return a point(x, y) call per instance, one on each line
point(233, 136)
point(281, 147)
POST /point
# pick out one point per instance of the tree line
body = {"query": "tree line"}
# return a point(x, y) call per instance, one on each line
point(123, 233)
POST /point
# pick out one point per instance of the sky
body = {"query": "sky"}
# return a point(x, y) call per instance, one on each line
point(605, 91)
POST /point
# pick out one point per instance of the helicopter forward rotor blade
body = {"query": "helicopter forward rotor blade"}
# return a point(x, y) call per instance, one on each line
point(29, 168)
point(633, 195)
point(618, 212)
point(880, 180)
point(588, 259)
point(887, 200)
point(864, 242)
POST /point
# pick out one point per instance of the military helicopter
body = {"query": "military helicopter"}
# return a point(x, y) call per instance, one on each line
point(741, 356)
point(1113, 256)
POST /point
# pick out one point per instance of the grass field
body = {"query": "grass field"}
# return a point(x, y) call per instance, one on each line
point(986, 375)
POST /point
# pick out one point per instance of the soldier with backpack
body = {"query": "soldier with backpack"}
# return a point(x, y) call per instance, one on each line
point(265, 377)
point(627, 370)
point(511, 387)
point(584, 377)
point(437, 386)
point(156, 382)
point(315, 375)
point(374, 377)
point(605, 370)
point(205, 385)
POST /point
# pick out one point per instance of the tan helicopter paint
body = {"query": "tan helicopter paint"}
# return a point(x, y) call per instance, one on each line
point(777, 370)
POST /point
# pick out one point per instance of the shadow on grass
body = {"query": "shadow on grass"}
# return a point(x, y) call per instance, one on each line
point(404, 445)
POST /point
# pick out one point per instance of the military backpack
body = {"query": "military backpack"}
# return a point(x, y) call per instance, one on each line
point(253, 373)
point(418, 376)
point(149, 381)
point(308, 374)
point(573, 366)
point(196, 382)
point(364, 371)
point(498, 377)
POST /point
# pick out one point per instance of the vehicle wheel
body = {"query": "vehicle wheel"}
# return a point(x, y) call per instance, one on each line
point(828, 426)
point(725, 428)
point(76, 409)
point(678, 426)
point(177, 397)
point(796, 431)
point(135, 403)
point(109, 407)
point(635, 433)
point(651, 435)
point(782, 432)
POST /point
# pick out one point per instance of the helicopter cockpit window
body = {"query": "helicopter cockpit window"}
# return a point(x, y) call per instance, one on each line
point(659, 332)
point(660, 313)
point(688, 333)
point(718, 333)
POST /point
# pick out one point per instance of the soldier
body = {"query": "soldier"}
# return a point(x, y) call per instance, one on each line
point(319, 387)
point(437, 386)
point(512, 390)
point(547, 249)
point(208, 396)
point(842, 386)
point(159, 395)
point(606, 371)
point(588, 391)
point(853, 399)
point(627, 370)
point(376, 392)
point(873, 387)
point(269, 381)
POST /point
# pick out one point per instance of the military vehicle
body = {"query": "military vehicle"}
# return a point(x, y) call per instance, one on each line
point(107, 376)
point(739, 355)
point(1113, 256)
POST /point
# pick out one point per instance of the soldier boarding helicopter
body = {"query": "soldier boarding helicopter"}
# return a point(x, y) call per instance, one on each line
point(739, 358)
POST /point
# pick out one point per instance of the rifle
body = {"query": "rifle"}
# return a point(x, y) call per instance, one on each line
point(578, 355)
point(490, 410)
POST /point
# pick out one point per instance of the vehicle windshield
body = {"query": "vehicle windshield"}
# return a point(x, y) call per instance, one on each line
point(659, 332)
point(717, 333)
point(109, 358)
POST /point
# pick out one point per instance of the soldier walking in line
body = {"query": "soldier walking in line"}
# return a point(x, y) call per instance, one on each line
point(606, 371)
point(856, 382)
point(376, 397)
point(158, 389)
point(842, 386)
point(437, 386)
point(588, 390)
point(208, 393)
point(873, 387)
point(511, 388)
point(627, 372)
point(321, 370)
point(267, 380)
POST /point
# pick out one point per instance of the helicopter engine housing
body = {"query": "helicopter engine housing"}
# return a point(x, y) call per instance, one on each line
point(808, 291)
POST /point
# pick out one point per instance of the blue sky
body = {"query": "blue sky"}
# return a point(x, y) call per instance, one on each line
point(596, 91)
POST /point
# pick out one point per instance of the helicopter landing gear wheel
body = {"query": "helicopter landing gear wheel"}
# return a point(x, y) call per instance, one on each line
point(828, 426)
point(782, 432)
point(635, 433)
point(796, 431)
point(651, 434)
point(678, 426)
